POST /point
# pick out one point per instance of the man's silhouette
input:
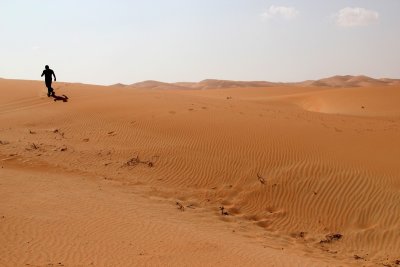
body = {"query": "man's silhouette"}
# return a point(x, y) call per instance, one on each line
point(48, 78)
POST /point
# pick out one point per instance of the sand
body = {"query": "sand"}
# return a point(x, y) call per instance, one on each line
point(137, 176)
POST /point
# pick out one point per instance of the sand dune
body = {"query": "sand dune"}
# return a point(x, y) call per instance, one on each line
point(391, 81)
point(332, 82)
point(119, 85)
point(348, 81)
point(205, 84)
point(253, 176)
point(210, 83)
point(157, 85)
point(370, 101)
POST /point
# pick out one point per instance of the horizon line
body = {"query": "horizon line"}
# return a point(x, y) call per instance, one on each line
point(213, 79)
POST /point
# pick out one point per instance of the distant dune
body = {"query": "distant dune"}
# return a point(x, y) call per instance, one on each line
point(157, 85)
point(205, 84)
point(119, 85)
point(348, 81)
point(245, 174)
point(391, 81)
point(331, 82)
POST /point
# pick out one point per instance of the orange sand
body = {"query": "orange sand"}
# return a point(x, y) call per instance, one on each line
point(289, 164)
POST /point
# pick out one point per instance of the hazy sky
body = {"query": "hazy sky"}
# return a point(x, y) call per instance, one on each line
point(106, 42)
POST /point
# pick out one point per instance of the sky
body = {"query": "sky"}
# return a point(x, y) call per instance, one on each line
point(127, 41)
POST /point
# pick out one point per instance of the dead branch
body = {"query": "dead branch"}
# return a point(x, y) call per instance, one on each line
point(330, 238)
point(180, 206)
point(133, 162)
point(34, 146)
point(261, 179)
point(223, 212)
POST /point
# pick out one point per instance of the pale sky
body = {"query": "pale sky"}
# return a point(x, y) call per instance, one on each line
point(127, 41)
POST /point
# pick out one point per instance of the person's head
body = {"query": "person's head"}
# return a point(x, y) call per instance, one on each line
point(46, 67)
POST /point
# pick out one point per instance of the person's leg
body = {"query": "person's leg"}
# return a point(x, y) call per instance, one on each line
point(50, 90)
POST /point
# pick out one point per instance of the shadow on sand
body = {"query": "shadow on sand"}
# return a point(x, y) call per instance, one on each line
point(62, 98)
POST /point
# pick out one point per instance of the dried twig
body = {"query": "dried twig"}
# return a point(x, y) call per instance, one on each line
point(136, 161)
point(260, 178)
point(57, 131)
point(223, 212)
point(34, 146)
point(356, 257)
point(180, 206)
point(330, 238)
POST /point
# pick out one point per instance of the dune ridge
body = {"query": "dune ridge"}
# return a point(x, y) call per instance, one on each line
point(304, 177)
point(331, 82)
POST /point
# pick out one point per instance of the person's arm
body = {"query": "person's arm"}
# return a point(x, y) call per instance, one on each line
point(42, 74)
point(55, 79)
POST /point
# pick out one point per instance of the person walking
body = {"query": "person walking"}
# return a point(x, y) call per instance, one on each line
point(48, 78)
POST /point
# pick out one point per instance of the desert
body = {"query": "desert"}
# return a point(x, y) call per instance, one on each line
point(214, 173)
